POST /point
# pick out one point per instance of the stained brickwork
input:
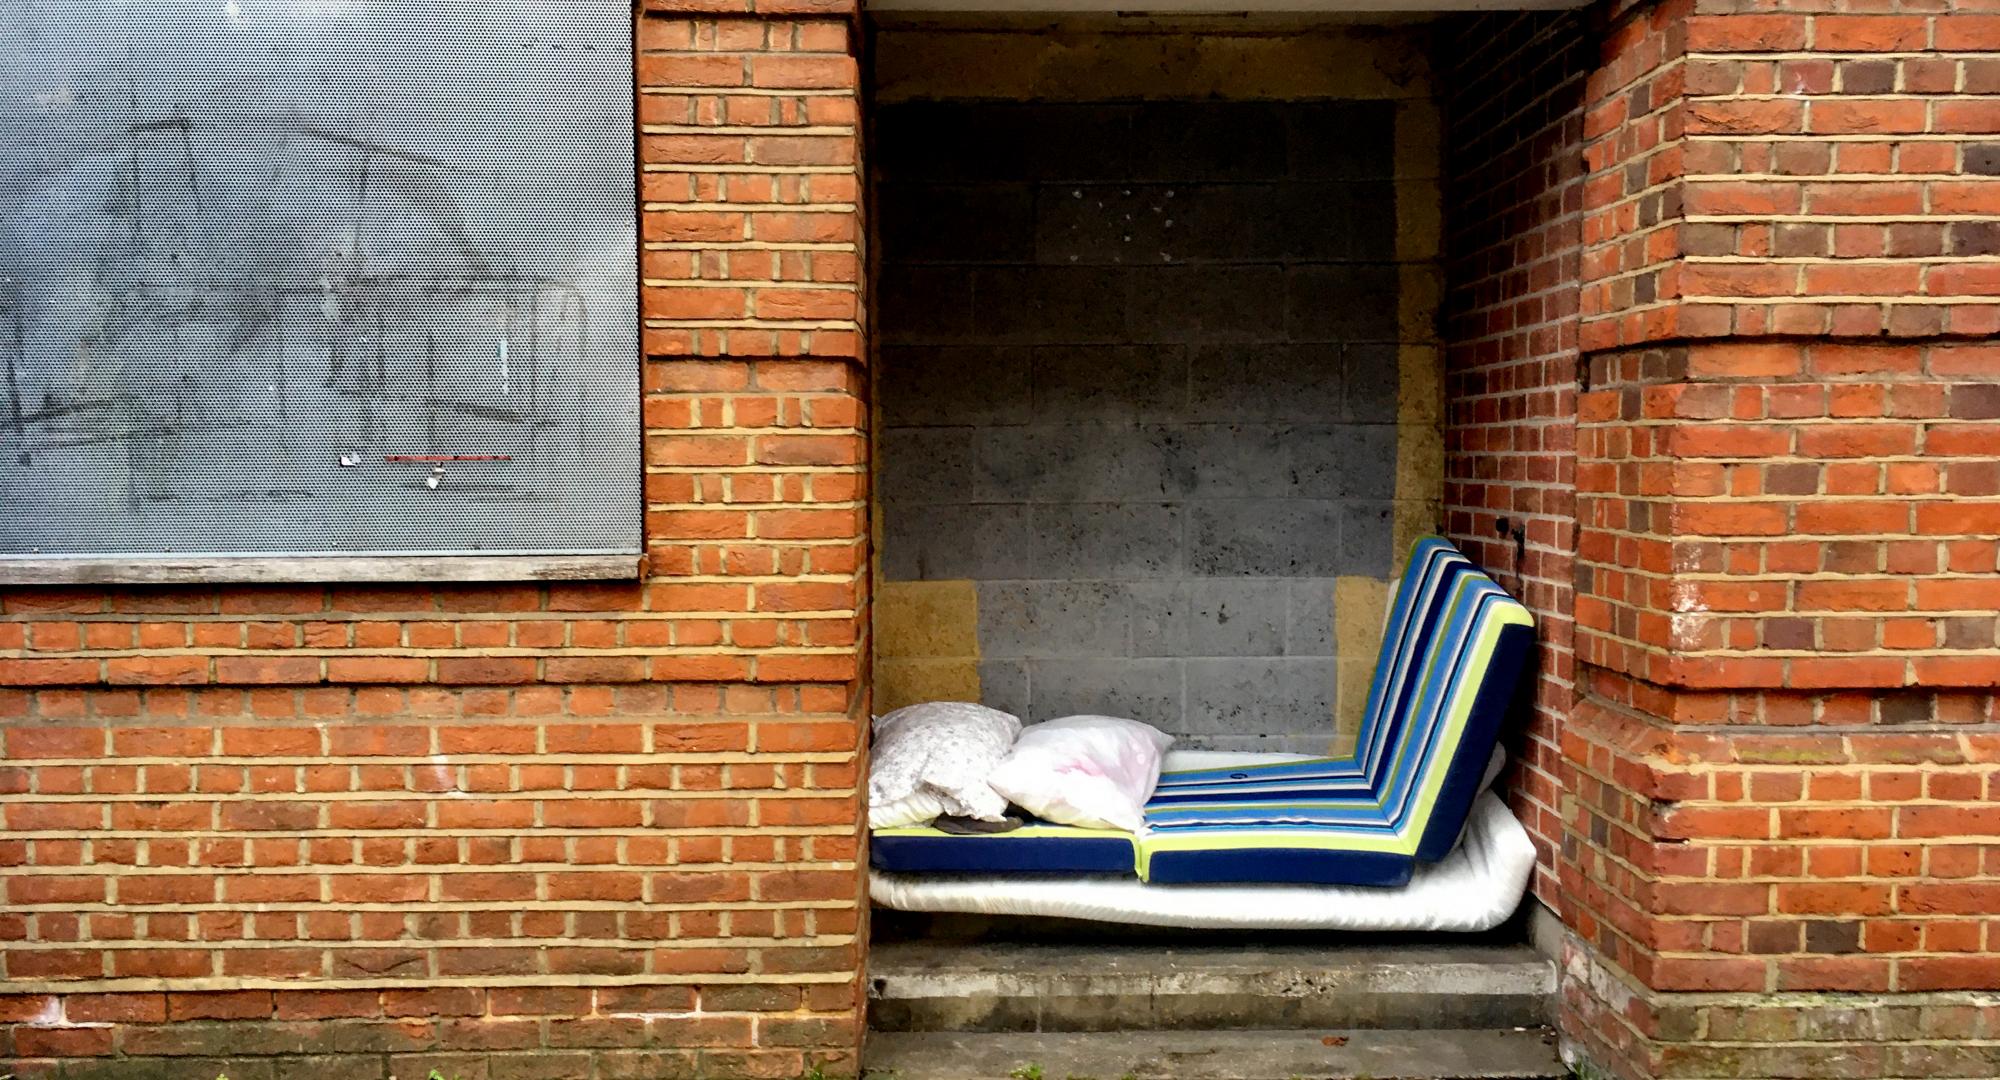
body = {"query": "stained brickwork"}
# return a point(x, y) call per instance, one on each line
point(520, 829)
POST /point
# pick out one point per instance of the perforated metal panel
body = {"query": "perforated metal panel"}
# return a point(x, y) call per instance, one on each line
point(317, 277)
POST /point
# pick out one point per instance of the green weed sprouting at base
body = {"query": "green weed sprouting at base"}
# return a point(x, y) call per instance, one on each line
point(1030, 1071)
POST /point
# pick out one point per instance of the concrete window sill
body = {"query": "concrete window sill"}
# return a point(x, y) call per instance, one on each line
point(412, 569)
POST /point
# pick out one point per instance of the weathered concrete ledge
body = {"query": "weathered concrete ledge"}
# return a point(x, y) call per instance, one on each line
point(914, 986)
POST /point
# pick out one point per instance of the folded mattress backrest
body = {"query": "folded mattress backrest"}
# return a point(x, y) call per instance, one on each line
point(1412, 617)
point(1415, 609)
point(1457, 643)
point(1421, 593)
point(1471, 664)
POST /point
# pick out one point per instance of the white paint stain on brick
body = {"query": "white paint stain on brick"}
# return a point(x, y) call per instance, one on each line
point(52, 1016)
point(1687, 597)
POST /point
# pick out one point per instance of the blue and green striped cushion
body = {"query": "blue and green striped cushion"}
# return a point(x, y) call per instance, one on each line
point(1411, 807)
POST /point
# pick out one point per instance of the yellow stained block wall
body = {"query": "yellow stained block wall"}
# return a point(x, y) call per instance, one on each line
point(1359, 605)
point(1420, 361)
point(926, 642)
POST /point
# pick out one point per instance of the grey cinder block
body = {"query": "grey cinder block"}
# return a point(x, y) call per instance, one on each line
point(1003, 685)
point(929, 542)
point(1342, 461)
point(1341, 302)
point(1260, 695)
point(1142, 689)
point(1341, 140)
point(965, 223)
point(1139, 224)
point(1309, 617)
point(1224, 460)
point(1236, 617)
point(1073, 141)
point(1139, 379)
point(1158, 617)
point(1208, 303)
point(1242, 140)
point(955, 385)
point(1266, 537)
point(1371, 374)
point(926, 465)
point(1054, 618)
point(1108, 540)
point(1109, 384)
point(1209, 617)
point(919, 304)
point(1070, 463)
point(1264, 381)
point(1367, 539)
point(1370, 227)
point(1329, 221)
point(1051, 304)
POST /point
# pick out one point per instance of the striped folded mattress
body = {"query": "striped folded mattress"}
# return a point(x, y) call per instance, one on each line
point(1452, 653)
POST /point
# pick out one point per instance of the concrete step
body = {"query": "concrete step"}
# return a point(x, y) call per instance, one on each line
point(1213, 1055)
point(1020, 987)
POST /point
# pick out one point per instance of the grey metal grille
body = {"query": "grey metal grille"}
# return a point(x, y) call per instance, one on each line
point(317, 277)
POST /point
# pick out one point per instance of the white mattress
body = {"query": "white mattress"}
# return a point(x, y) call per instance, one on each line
point(1474, 888)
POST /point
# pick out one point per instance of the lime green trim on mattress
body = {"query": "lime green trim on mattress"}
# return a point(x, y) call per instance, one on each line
point(1465, 692)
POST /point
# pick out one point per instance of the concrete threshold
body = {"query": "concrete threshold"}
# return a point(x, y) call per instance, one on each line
point(1213, 1055)
point(1068, 987)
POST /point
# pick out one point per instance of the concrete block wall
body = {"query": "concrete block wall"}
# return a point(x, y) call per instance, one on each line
point(1141, 381)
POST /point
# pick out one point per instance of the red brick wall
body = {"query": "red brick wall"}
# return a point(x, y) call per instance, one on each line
point(1779, 756)
point(1782, 764)
point(1819, 170)
point(517, 830)
point(1513, 87)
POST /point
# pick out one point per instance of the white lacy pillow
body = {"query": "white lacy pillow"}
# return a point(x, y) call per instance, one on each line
point(1092, 771)
point(916, 808)
point(934, 758)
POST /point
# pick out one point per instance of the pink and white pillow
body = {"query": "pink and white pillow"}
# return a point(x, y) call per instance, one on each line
point(1091, 771)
